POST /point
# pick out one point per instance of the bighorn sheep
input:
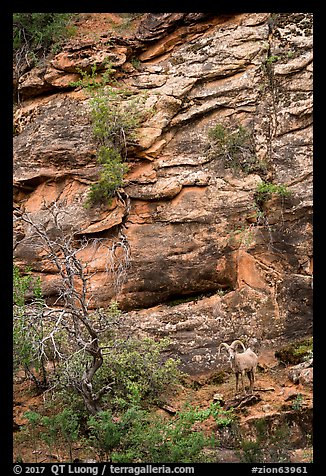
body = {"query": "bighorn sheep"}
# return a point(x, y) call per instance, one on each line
point(241, 363)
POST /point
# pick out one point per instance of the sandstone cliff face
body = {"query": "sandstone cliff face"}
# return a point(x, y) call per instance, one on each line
point(191, 221)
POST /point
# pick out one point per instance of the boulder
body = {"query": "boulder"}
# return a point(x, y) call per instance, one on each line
point(302, 373)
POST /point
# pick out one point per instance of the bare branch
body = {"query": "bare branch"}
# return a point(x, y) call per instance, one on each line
point(73, 331)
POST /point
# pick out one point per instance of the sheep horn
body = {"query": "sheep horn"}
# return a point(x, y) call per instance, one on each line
point(225, 345)
point(235, 342)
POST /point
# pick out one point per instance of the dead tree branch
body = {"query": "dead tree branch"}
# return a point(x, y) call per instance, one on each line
point(74, 331)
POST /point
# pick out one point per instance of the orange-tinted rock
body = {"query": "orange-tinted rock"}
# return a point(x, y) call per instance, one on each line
point(248, 273)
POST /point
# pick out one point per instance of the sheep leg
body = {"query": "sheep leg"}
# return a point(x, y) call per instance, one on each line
point(251, 377)
point(236, 382)
point(242, 382)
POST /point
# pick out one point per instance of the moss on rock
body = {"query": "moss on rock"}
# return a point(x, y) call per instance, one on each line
point(296, 352)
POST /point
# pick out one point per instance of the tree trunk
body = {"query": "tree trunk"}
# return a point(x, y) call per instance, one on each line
point(91, 402)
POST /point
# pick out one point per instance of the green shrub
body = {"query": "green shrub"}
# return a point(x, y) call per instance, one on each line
point(66, 426)
point(131, 431)
point(295, 352)
point(35, 33)
point(149, 437)
point(298, 402)
point(136, 63)
point(32, 429)
point(219, 135)
point(265, 190)
point(34, 36)
point(28, 329)
point(39, 30)
point(229, 139)
point(237, 148)
point(114, 123)
point(251, 451)
point(105, 434)
point(21, 284)
point(138, 370)
point(110, 179)
point(133, 435)
point(272, 59)
point(63, 427)
point(95, 79)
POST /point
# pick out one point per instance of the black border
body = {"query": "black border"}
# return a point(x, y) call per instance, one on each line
point(6, 191)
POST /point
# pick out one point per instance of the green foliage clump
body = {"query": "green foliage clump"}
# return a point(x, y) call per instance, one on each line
point(63, 426)
point(136, 63)
point(133, 370)
point(138, 435)
point(32, 430)
point(265, 190)
point(28, 331)
point(138, 370)
point(34, 36)
point(251, 451)
point(39, 30)
point(134, 435)
point(111, 176)
point(94, 79)
point(35, 33)
point(237, 148)
point(272, 59)
point(105, 433)
point(296, 352)
point(21, 283)
point(150, 438)
point(298, 402)
point(114, 123)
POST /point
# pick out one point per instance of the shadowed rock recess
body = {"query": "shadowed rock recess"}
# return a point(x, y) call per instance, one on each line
point(209, 261)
